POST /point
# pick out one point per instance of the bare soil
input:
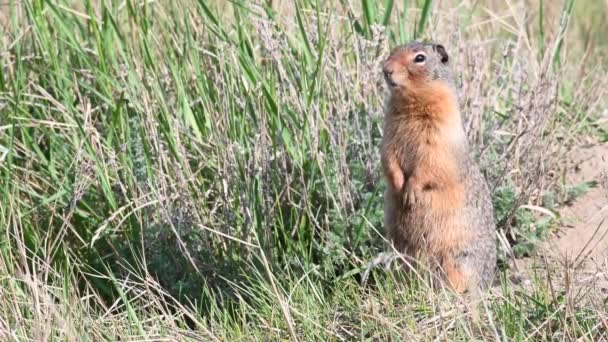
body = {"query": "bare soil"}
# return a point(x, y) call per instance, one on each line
point(585, 230)
point(581, 245)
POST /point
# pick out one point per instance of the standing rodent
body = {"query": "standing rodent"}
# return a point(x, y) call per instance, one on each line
point(437, 204)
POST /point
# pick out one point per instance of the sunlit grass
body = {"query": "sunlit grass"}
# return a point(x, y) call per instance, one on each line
point(211, 169)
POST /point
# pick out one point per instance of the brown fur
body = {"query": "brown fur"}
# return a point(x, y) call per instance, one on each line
point(429, 212)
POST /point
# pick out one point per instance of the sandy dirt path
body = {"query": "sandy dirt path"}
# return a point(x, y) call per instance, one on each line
point(582, 243)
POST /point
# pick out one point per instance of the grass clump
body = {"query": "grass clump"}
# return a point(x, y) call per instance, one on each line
point(211, 169)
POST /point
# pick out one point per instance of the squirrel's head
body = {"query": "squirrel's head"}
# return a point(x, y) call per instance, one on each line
point(416, 66)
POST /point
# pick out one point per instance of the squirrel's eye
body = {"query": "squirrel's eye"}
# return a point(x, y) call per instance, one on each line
point(419, 58)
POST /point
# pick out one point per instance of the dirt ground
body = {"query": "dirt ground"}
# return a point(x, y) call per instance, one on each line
point(586, 220)
point(582, 242)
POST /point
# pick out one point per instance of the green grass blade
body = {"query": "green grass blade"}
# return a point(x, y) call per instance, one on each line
point(563, 26)
point(369, 15)
point(388, 10)
point(541, 30)
point(304, 37)
point(424, 17)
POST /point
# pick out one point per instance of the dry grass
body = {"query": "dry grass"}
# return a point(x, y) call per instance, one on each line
point(174, 171)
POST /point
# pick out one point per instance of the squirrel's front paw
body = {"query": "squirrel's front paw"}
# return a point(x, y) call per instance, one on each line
point(396, 179)
point(410, 197)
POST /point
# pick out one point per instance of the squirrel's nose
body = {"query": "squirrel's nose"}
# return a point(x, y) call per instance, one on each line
point(388, 71)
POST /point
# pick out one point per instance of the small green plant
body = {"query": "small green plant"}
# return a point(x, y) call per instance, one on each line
point(572, 192)
point(210, 169)
point(524, 226)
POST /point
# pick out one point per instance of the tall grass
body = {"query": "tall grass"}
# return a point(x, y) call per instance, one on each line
point(208, 169)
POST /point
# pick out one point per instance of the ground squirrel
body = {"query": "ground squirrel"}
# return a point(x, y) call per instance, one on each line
point(437, 203)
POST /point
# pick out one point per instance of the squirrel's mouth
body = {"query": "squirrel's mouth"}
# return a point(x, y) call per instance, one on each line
point(389, 81)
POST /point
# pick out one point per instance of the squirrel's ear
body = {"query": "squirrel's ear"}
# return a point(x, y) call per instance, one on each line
point(444, 54)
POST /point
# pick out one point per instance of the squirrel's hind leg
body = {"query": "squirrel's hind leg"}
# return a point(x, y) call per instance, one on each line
point(459, 274)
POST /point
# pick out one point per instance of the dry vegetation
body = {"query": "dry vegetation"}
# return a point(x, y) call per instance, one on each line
point(209, 170)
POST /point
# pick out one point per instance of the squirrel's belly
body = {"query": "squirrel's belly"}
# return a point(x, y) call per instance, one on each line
point(434, 230)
